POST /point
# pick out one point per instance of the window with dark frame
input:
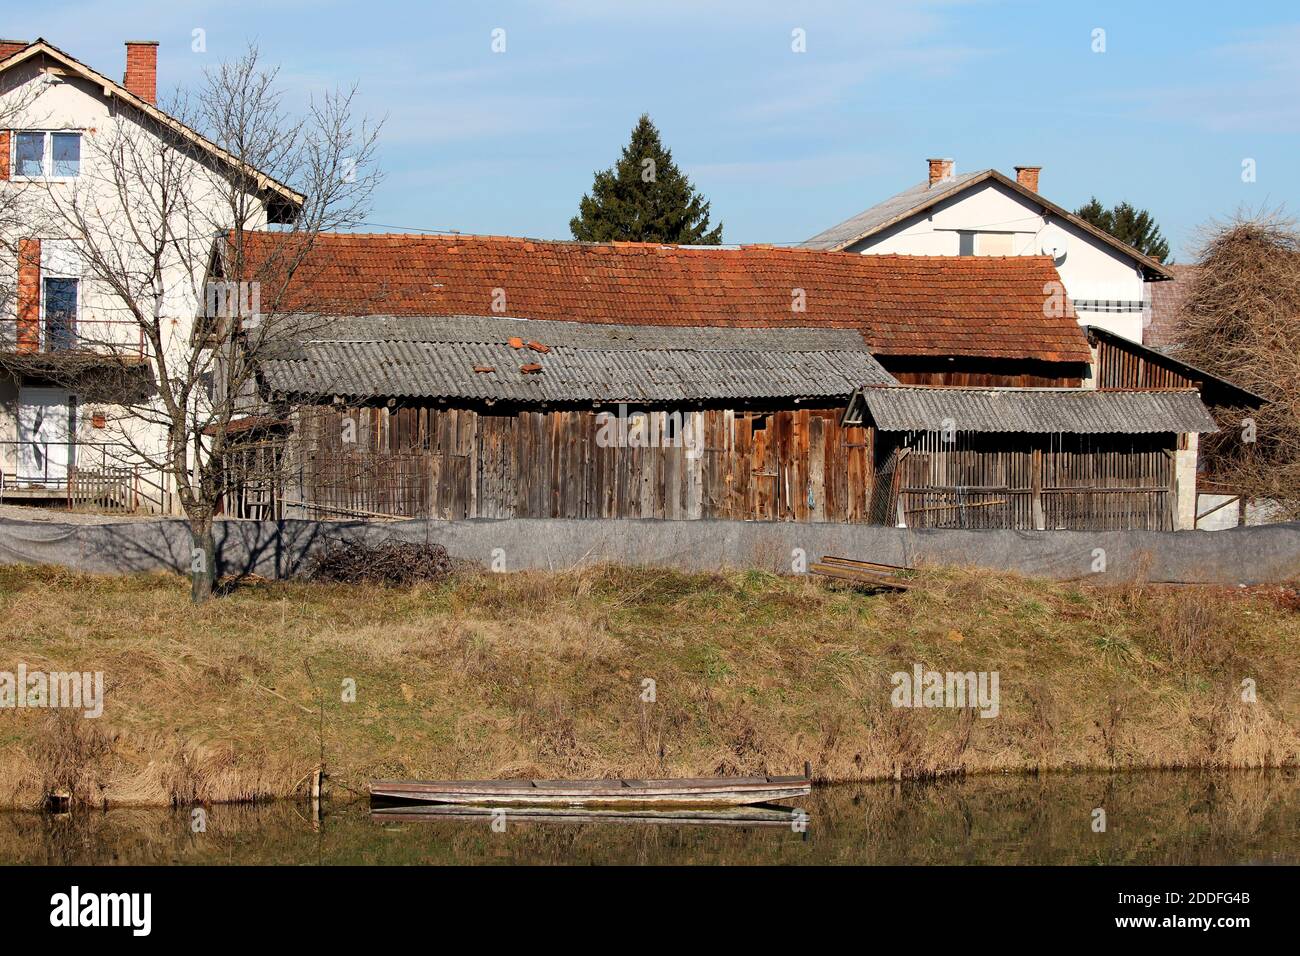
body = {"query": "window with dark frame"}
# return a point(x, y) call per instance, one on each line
point(60, 298)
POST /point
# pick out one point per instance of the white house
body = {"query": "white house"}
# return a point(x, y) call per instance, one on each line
point(985, 213)
point(66, 134)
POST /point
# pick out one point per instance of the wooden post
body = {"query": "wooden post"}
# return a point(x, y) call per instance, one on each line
point(1036, 479)
point(317, 792)
point(817, 467)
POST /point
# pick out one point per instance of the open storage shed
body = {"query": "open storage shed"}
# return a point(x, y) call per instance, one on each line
point(1031, 458)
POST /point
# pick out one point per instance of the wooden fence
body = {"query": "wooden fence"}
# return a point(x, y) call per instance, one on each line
point(1081, 482)
point(252, 479)
point(103, 488)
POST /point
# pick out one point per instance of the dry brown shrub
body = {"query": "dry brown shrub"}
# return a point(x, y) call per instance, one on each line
point(70, 752)
point(1241, 320)
point(1198, 635)
point(1239, 734)
point(397, 563)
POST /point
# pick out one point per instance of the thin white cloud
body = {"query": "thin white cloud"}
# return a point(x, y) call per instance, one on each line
point(1254, 90)
point(806, 88)
point(1275, 50)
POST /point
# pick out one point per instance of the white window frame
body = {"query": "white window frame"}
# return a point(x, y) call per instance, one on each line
point(47, 155)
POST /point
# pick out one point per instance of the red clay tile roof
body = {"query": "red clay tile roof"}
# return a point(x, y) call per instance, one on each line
point(1166, 301)
point(904, 305)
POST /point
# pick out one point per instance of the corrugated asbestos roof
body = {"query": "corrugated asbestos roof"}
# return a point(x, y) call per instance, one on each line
point(450, 357)
point(1036, 410)
point(870, 220)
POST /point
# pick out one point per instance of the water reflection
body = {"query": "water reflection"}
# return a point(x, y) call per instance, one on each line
point(1168, 818)
point(763, 815)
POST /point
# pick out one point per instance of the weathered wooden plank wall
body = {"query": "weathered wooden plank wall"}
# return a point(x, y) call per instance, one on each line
point(983, 372)
point(1078, 482)
point(1118, 367)
point(786, 465)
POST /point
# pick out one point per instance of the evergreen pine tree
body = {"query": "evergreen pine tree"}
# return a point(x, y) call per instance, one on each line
point(644, 197)
point(1127, 224)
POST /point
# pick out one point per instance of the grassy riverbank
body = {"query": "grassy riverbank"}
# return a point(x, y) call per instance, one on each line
point(541, 675)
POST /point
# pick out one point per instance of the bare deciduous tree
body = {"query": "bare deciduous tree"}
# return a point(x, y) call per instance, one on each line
point(1241, 319)
point(163, 231)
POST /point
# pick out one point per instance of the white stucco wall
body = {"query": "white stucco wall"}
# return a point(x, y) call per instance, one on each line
point(1185, 476)
point(1089, 268)
point(1257, 512)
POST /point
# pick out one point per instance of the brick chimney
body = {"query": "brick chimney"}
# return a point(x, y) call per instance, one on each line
point(940, 170)
point(9, 47)
point(142, 69)
point(1027, 176)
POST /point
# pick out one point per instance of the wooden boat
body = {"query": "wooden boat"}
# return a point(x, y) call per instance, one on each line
point(698, 791)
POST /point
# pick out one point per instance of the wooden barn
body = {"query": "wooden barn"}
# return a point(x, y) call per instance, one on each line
point(1118, 362)
point(478, 417)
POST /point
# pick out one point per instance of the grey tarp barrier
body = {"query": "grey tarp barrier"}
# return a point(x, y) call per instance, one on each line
point(1248, 555)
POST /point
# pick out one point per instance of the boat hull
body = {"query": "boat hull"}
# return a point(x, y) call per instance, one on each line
point(704, 791)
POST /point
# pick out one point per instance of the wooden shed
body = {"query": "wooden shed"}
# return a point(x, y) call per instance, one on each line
point(929, 320)
point(489, 417)
point(1031, 458)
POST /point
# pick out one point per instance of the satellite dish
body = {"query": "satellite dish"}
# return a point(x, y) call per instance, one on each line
point(1053, 244)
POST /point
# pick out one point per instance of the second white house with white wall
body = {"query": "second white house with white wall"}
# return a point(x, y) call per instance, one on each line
point(985, 213)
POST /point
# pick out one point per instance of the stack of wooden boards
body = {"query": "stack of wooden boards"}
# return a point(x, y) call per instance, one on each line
point(864, 573)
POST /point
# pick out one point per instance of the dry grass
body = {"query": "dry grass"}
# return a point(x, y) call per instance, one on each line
point(541, 674)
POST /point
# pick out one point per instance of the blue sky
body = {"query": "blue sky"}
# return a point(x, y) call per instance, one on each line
point(782, 143)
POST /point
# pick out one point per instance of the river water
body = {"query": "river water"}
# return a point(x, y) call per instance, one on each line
point(1146, 818)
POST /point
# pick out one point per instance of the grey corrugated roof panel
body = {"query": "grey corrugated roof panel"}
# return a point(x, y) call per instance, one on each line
point(897, 205)
point(495, 329)
point(429, 359)
point(1035, 410)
